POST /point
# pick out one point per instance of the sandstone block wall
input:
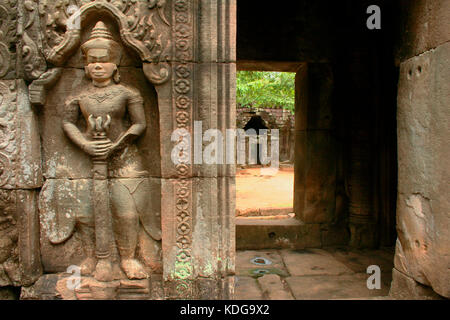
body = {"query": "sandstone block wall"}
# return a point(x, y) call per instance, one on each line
point(422, 257)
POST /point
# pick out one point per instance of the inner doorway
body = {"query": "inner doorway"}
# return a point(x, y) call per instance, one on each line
point(265, 105)
point(345, 145)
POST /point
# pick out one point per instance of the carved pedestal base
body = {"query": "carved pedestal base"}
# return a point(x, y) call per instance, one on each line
point(60, 287)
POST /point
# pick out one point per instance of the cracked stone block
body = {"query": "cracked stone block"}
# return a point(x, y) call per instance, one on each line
point(247, 288)
point(273, 287)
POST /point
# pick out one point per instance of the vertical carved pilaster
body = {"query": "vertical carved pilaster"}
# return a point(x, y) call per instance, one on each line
point(359, 181)
point(8, 38)
point(20, 176)
point(198, 234)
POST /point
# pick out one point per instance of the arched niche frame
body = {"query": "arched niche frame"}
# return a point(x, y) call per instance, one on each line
point(156, 71)
point(158, 63)
point(169, 67)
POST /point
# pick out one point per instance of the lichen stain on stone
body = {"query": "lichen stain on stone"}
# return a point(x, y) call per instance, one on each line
point(183, 270)
point(415, 202)
point(52, 167)
point(46, 197)
point(208, 269)
point(26, 171)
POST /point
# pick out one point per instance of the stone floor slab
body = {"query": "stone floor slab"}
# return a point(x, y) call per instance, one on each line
point(312, 262)
point(334, 287)
point(246, 288)
point(359, 260)
point(244, 266)
point(273, 288)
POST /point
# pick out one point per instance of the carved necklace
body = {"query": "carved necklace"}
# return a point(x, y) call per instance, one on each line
point(100, 97)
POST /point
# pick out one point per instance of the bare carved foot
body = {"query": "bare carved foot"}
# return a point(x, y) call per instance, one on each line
point(103, 271)
point(133, 269)
point(88, 266)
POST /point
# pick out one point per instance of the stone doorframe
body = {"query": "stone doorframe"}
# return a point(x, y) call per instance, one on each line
point(188, 54)
point(313, 139)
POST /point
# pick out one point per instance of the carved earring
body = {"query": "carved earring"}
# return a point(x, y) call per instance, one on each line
point(87, 73)
point(116, 76)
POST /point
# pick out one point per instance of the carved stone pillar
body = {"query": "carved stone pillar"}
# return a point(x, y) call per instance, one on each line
point(423, 223)
point(20, 171)
point(198, 200)
point(315, 145)
point(180, 58)
point(362, 225)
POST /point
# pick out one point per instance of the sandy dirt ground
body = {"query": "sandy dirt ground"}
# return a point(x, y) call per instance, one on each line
point(254, 190)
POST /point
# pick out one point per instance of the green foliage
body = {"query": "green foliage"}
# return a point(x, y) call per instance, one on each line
point(266, 89)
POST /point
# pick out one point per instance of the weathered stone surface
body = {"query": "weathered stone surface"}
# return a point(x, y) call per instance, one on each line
point(20, 169)
point(352, 286)
point(333, 287)
point(247, 289)
point(19, 138)
point(276, 233)
point(313, 262)
point(66, 287)
point(425, 25)
point(217, 41)
point(247, 263)
point(8, 49)
point(9, 236)
point(204, 247)
point(28, 244)
point(272, 286)
point(422, 206)
point(359, 260)
point(43, 289)
point(406, 288)
point(156, 287)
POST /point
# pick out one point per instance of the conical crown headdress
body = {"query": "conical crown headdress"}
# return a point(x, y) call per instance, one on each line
point(101, 38)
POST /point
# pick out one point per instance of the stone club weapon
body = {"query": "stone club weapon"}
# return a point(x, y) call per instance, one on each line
point(100, 194)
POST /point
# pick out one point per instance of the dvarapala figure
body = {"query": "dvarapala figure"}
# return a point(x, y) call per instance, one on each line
point(121, 108)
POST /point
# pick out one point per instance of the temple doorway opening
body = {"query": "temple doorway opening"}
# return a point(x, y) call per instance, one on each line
point(265, 113)
point(342, 146)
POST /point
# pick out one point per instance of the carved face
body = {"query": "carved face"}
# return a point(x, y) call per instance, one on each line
point(99, 67)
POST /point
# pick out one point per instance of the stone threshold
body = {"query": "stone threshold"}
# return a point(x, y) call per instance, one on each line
point(265, 212)
point(254, 233)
